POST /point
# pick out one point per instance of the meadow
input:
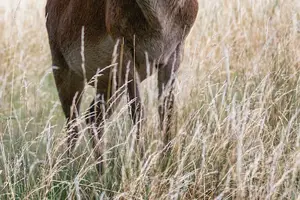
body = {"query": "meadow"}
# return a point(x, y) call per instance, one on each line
point(236, 134)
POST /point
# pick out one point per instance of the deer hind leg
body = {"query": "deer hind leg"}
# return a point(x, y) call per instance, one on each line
point(69, 86)
point(166, 80)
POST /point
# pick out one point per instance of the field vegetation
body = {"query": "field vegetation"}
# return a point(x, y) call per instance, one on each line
point(236, 134)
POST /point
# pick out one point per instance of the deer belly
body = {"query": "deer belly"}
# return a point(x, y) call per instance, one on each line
point(92, 57)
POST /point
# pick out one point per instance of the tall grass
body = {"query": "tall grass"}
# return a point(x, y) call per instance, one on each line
point(236, 134)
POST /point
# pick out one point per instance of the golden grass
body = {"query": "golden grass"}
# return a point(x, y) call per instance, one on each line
point(237, 132)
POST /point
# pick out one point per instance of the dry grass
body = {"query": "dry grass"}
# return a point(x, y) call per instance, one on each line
point(237, 132)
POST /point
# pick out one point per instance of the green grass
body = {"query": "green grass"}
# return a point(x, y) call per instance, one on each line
point(236, 133)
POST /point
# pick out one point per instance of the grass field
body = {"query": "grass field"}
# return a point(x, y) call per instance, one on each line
point(237, 130)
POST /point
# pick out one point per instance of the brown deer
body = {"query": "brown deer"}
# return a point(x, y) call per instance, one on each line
point(83, 35)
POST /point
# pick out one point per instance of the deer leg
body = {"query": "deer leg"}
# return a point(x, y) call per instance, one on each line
point(101, 109)
point(96, 118)
point(130, 78)
point(69, 86)
point(165, 108)
point(166, 80)
point(135, 106)
point(136, 113)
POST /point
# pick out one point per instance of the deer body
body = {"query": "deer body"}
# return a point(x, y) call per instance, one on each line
point(153, 27)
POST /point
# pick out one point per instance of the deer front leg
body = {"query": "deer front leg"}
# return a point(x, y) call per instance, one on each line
point(70, 87)
point(165, 109)
point(166, 80)
point(135, 105)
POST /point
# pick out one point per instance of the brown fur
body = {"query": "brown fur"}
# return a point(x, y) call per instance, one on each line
point(154, 26)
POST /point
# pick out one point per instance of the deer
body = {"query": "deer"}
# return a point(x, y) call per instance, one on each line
point(83, 34)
